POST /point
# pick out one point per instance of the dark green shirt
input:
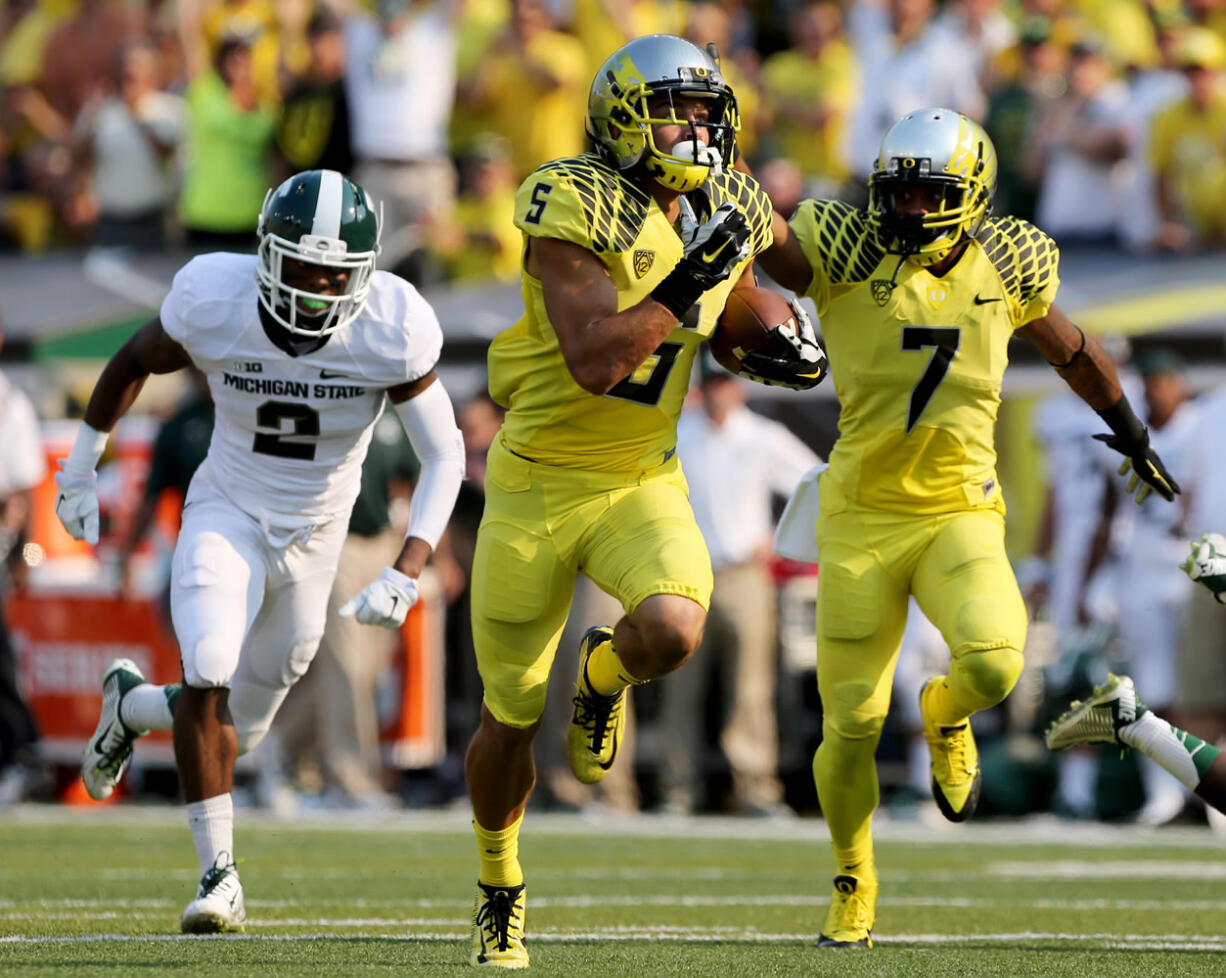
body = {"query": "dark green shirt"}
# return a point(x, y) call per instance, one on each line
point(389, 457)
point(180, 446)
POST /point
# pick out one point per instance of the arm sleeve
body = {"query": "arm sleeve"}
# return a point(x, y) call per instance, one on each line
point(429, 421)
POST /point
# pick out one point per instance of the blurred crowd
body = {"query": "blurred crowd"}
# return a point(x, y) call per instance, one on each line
point(130, 123)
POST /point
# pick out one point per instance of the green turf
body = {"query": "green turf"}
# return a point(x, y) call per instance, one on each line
point(98, 892)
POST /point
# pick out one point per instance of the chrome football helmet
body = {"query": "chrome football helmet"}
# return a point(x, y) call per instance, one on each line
point(619, 121)
point(947, 151)
point(317, 217)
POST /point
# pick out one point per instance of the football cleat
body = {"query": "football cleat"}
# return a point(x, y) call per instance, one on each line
point(956, 778)
point(110, 748)
point(1111, 707)
point(218, 907)
point(853, 910)
point(498, 927)
point(598, 722)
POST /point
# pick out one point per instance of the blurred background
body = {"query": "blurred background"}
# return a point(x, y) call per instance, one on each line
point(138, 132)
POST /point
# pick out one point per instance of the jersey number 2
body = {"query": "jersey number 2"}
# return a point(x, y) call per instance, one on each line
point(944, 341)
point(305, 420)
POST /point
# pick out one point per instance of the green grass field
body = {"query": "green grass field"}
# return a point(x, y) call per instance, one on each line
point(98, 892)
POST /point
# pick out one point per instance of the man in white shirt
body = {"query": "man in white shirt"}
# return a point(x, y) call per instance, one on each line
point(400, 75)
point(302, 344)
point(735, 462)
point(21, 469)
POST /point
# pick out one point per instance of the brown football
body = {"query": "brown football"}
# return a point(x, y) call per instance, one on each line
point(746, 324)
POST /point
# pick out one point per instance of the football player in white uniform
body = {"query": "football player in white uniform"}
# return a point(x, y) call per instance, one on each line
point(302, 345)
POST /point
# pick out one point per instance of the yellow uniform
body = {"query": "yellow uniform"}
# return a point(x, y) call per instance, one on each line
point(910, 503)
point(1189, 148)
point(581, 482)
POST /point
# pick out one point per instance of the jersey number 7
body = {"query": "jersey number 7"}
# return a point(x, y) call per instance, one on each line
point(944, 342)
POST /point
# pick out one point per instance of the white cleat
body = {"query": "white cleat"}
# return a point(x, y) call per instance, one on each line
point(110, 748)
point(218, 907)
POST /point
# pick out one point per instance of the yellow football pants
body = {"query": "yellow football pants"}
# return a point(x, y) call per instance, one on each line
point(871, 561)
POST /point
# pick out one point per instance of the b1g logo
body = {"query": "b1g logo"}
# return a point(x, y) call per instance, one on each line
point(248, 367)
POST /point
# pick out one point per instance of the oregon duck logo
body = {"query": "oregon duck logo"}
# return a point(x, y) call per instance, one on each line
point(643, 260)
point(882, 290)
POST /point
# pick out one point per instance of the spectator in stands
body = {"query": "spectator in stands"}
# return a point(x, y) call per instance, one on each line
point(736, 462)
point(1079, 145)
point(604, 25)
point(21, 469)
point(983, 27)
point(810, 90)
point(905, 64)
point(273, 29)
point(79, 57)
point(1014, 111)
point(329, 717)
point(480, 241)
point(1188, 148)
point(124, 148)
point(400, 80)
point(313, 131)
point(532, 64)
point(230, 135)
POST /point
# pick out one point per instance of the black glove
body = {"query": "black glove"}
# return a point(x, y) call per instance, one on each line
point(802, 368)
point(1131, 438)
point(714, 250)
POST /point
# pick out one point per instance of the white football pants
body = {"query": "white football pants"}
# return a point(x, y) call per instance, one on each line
point(248, 605)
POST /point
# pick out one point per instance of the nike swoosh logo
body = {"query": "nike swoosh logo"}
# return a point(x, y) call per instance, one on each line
point(981, 301)
point(605, 765)
point(331, 375)
point(394, 600)
point(710, 256)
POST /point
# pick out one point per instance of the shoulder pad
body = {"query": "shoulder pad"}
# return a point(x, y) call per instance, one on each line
point(750, 198)
point(842, 234)
point(1025, 257)
point(583, 200)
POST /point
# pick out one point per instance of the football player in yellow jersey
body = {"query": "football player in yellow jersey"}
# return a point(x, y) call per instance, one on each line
point(583, 477)
point(918, 296)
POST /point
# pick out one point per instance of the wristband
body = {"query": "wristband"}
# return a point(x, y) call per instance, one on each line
point(1124, 423)
point(86, 450)
point(678, 291)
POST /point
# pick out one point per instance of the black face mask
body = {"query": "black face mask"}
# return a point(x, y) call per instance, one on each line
point(907, 230)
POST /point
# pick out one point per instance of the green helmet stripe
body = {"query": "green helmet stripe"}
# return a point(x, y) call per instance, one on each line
point(327, 221)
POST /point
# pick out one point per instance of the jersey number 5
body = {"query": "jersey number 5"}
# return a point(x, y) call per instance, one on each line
point(944, 341)
point(539, 193)
point(305, 421)
point(646, 384)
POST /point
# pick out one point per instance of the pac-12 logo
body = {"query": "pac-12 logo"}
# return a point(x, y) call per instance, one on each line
point(882, 289)
point(643, 260)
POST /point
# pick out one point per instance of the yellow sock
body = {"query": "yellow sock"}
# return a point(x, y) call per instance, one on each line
point(605, 672)
point(499, 854)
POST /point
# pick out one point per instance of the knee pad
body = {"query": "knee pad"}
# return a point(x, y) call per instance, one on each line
point(853, 711)
point(989, 673)
point(209, 663)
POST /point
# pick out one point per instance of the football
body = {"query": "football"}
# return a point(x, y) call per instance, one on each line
point(746, 324)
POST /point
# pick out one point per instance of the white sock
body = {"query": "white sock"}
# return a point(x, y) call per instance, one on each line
point(146, 707)
point(1077, 774)
point(212, 824)
point(1156, 739)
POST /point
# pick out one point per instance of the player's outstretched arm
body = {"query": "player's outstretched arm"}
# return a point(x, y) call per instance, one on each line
point(429, 420)
point(785, 260)
point(1089, 371)
point(148, 351)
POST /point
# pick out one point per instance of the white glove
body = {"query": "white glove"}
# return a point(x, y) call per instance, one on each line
point(385, 601)
point(77, 503)
point(1207, 563)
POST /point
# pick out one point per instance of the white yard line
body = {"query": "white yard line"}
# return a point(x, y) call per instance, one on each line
point(689, 935)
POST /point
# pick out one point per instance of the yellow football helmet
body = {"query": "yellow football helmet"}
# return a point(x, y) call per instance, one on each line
point(620, 124)
point(943, 149)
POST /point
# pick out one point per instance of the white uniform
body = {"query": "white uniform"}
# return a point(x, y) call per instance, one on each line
point(267, 511)
point(1154, 592)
